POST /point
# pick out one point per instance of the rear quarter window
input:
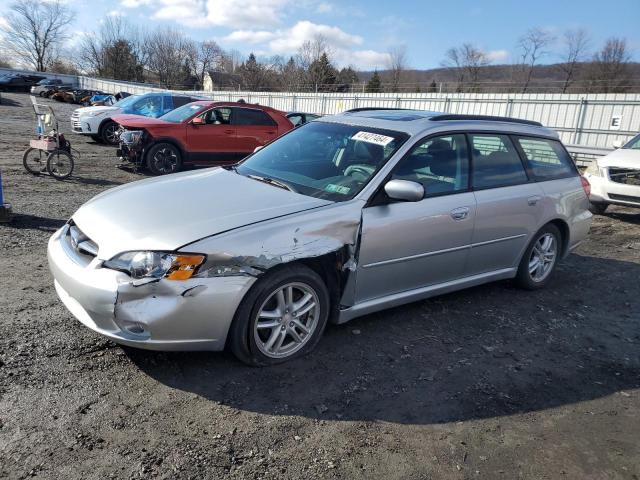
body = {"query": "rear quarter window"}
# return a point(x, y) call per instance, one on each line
point(245, 116)
point(546, 159)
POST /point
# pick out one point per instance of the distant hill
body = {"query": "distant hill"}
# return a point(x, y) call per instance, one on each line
point(496, 78)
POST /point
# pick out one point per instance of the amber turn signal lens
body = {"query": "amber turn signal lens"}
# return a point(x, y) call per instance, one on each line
point(184, 266)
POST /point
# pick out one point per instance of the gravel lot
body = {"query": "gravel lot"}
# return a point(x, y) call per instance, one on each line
point(492, 382)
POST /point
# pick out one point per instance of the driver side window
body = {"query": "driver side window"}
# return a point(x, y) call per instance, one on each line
point(440, 164)
point(217, 116)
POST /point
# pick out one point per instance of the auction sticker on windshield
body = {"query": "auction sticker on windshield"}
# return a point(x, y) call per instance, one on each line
point(376, 138)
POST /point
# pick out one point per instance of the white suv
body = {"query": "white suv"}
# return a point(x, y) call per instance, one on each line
point(615, 178)
point(97, 121)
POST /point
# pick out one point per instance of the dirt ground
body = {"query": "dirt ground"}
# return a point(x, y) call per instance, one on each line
point(492, 382)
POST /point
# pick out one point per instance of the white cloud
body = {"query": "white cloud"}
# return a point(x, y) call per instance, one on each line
point(324, 7)
point(498, 55)
point(288, 41)
point(135, 3)
point(224, 13)
point(114, 13)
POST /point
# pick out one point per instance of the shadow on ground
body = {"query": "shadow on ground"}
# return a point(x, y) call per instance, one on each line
point(34, 222)
point(489, 351)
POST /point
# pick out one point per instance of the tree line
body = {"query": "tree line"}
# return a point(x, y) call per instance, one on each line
point(37, 32)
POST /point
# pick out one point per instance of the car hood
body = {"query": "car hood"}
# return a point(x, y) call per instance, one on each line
point(97, 109)
point(623, 157)
point(137, 121)
point(168, 212)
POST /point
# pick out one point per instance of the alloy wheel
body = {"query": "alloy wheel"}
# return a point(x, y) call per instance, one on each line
point(543, 257)
point(286, 320)
point(165, 160)
point(111, 133)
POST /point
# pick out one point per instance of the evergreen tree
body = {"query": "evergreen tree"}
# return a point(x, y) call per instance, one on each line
point(374, 85)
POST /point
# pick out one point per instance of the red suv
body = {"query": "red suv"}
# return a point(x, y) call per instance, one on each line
point(202, 133)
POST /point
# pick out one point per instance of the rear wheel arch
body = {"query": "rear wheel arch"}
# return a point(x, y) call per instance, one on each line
point(565, 233)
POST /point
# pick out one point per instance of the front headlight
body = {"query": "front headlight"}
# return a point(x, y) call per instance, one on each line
point(131, 137)
point(594, 169)
point(148, 264)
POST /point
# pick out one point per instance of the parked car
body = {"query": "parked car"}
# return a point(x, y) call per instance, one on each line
point(615, 178)
point(47, 85)
point(201, 133)
point(336, 219)
point(97, 122)
point(17, 82)
point(300, 118)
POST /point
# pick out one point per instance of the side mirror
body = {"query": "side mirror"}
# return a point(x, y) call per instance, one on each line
point(197, 121)
point(617, 144)
point(258, 148)
point(404, 190)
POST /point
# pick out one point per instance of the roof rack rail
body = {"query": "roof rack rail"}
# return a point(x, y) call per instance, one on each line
point(369, 109)
point(491, 118)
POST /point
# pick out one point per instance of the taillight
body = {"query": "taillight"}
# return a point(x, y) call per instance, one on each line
point(586, 185)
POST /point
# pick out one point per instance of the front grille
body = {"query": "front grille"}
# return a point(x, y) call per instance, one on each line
point(625, 198)
point(628, 176)
point(80, 245)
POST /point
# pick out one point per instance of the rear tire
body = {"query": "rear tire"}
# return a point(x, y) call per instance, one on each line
point(540, 258)
point(163, 159)
point(256, 342)
point(34, 161)
point(598, 208)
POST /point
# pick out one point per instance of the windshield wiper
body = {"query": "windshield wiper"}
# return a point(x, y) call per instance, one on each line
point(273, 181)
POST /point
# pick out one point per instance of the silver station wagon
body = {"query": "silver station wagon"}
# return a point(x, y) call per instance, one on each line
point(344, 216)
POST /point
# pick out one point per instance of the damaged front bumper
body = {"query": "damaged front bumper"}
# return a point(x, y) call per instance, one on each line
point(130, 153)
point(194, 314)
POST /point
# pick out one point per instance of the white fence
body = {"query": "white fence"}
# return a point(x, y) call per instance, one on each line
point(70, 79)
point(594, 120)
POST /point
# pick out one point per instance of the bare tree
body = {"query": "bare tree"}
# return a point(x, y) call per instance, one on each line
point(453, 61)
point(34, 30)
point(396, 65)
point(115, 51)
point(576, 43)
point(170, 55)
point(467, 62)
point(533, 46)
point(310, 53)
point(610, 67)
point(209, 57)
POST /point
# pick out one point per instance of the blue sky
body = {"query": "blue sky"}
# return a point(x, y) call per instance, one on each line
point(362, 31)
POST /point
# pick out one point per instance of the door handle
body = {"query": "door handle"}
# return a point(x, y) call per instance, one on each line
point(229, 132)
point(532, 201)
point(271, 133)
point(460, 213)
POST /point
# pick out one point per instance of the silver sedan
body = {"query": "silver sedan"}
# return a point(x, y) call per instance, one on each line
point(339, 218)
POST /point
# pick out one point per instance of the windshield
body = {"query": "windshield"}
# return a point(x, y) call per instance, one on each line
point(125, 102)
point(634, 143)
point(325, 160)
point(180, 114)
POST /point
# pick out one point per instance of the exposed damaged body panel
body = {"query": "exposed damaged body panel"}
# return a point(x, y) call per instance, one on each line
point(253, 250)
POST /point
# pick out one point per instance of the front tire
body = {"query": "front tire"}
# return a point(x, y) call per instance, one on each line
point(109, 133)
point(540, 259)
point(281, 318)
point(60, 164)
point(164, 158)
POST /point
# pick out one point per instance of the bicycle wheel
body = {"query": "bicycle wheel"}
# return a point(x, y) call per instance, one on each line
point(60, 164)
point(34, 161)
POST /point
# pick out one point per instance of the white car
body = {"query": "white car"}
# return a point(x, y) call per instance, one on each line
point(97, 121)
point(615, 178)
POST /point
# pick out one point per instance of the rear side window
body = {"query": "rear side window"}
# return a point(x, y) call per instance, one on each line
point(496, 162)
point(546, 158)
point(245, 116)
